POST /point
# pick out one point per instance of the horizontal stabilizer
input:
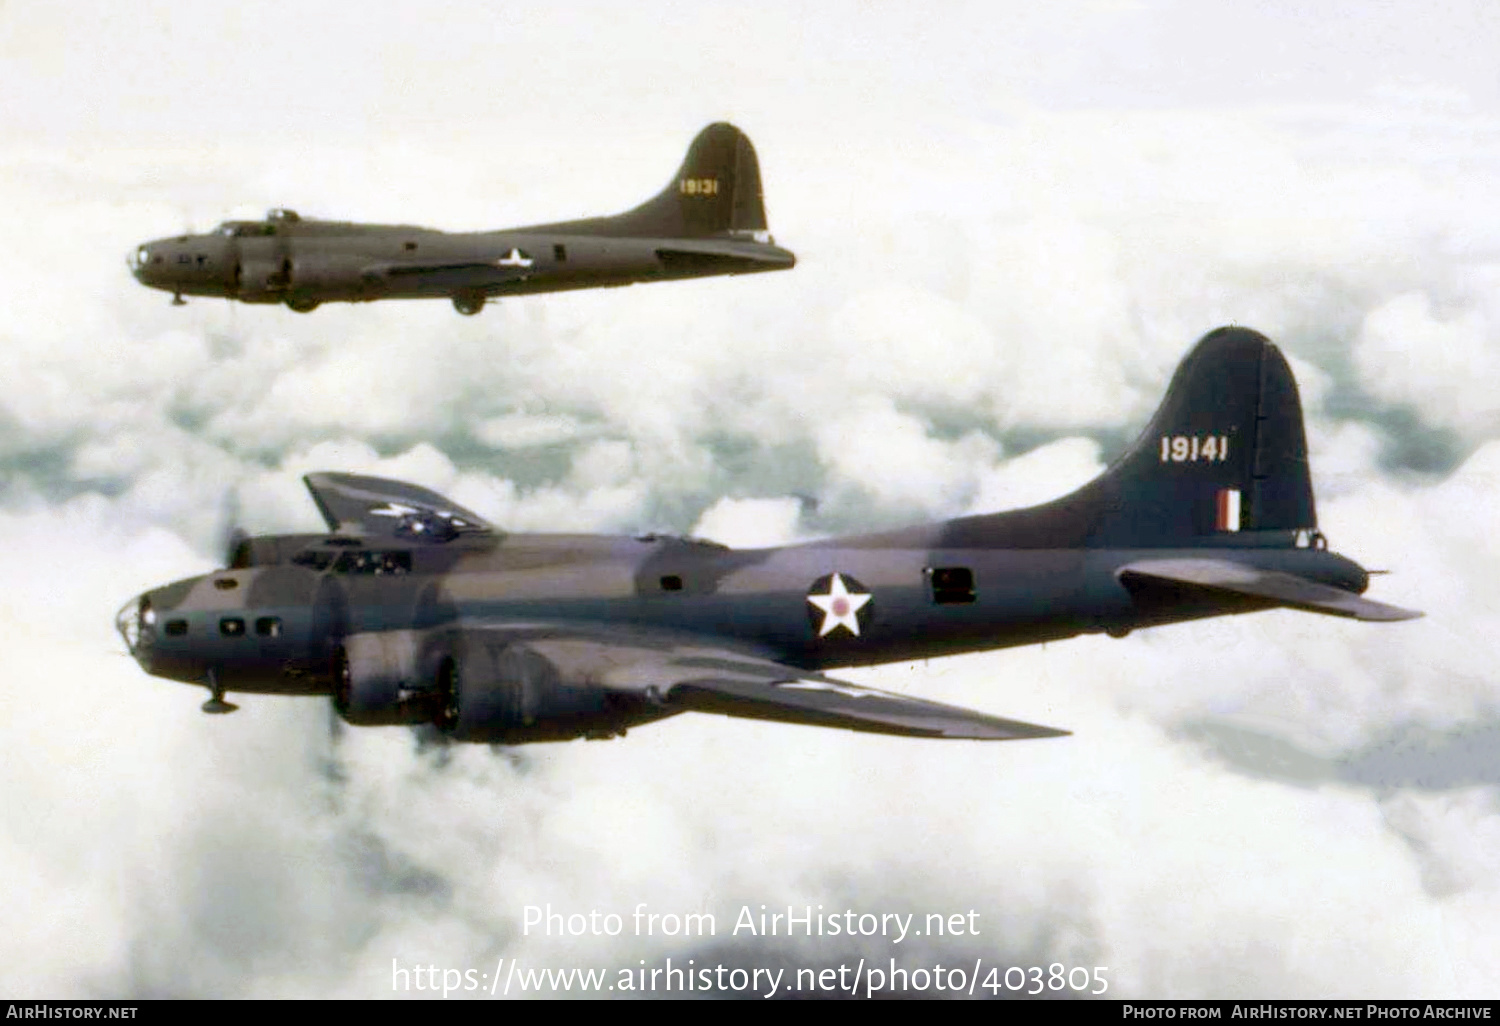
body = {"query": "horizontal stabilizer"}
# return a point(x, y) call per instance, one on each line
point(1272, 585)
point(688, 263)
point(819, 701)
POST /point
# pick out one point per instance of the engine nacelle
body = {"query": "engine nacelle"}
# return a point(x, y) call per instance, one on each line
point(321, 277)
point(384, 678)
point(497, 690)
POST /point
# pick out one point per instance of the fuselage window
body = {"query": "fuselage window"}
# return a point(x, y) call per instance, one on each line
point(268, 626)
point(560, 253)
point(951, 585)
point(176, 628)
point(232, 627)
point(313, 560)
point(671, 582)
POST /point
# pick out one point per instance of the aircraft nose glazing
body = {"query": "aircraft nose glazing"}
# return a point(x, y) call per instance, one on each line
point(137, 259)
point(136, 622)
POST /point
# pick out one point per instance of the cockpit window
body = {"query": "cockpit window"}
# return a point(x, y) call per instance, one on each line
point(242, 230)
point(373, 563)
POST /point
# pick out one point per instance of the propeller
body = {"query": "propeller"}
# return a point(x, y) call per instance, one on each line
point(237, 538)
point(231, 534)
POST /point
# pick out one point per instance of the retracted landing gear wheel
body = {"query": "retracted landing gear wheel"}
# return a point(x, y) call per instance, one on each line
point(468, 304)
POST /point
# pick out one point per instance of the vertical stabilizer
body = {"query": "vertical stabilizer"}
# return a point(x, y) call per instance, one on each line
point(715, 192)
point(1225, 454)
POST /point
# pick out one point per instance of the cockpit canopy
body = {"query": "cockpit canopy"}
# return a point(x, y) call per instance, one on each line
point(244, 229)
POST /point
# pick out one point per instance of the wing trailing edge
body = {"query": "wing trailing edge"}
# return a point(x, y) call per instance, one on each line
point(822, 702)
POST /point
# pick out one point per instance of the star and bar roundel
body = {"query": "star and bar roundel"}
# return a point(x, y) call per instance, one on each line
point(837, 602)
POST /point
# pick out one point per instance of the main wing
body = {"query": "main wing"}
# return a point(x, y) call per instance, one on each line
point(378, 507)
point(686, 674)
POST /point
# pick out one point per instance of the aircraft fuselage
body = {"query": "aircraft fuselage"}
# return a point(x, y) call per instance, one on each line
point(284, 620)
point(312, 263)
point(709, 220)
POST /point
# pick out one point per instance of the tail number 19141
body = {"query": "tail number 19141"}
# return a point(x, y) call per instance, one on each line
point(1192, 448)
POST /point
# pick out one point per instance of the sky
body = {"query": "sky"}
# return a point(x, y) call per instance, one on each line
point(1011, 222)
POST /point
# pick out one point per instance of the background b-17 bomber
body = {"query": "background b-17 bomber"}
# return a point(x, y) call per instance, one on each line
point(710, 220)
point(413, 610)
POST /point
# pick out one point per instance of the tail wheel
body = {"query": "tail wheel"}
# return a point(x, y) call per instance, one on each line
point(468, 303)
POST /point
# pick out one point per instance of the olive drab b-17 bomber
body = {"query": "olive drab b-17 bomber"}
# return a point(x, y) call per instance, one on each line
point(709, 220)
point(413, 610)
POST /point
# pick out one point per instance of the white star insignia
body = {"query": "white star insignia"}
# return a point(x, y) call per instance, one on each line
point(515, 258)
point(840, 607)
point(401, 509)
point(393, 509)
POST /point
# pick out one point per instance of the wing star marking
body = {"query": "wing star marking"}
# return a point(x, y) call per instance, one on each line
point(393, 509)
point(825, 685)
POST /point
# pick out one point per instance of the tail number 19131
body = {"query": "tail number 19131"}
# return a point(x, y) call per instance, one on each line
point(1193, 448)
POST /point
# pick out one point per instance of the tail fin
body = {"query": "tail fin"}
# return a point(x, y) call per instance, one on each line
point(716, 191)
point(1224, 455)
